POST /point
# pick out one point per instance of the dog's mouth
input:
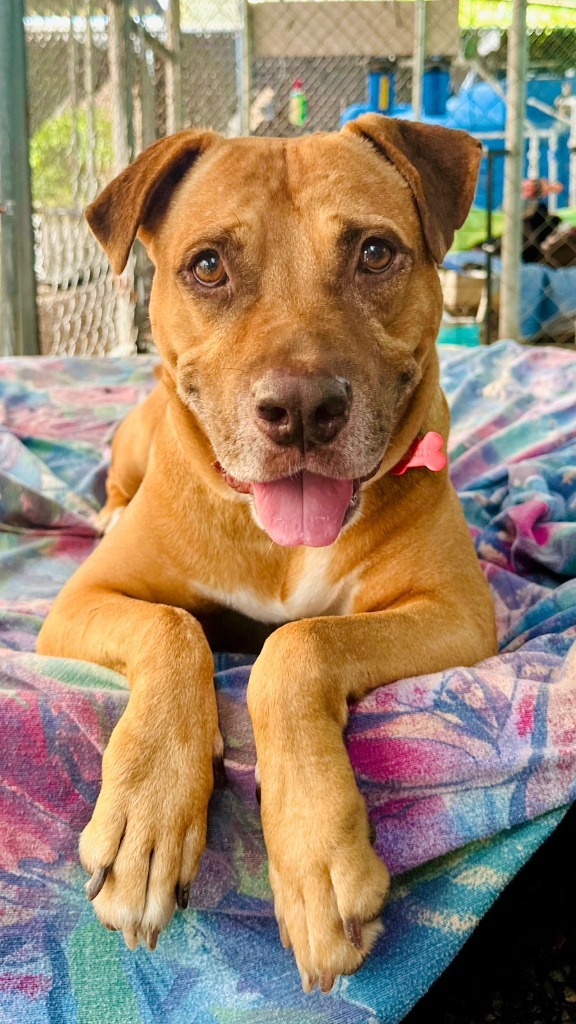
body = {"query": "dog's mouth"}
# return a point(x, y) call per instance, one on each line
point(304, 509)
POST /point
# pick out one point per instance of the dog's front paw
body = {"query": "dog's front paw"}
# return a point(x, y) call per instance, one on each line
point(143, 845)
point(329, 886)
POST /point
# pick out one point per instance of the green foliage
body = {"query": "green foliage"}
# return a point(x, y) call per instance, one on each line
point(498, 14)
point(59, 158)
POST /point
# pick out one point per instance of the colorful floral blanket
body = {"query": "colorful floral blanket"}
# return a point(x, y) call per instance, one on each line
point(464, 772)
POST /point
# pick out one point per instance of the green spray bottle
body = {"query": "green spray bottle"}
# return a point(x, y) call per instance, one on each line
point(298, 104)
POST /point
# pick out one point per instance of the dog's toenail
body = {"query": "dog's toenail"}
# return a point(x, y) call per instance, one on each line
point(152, 939)
point(131, 939)
point(372, 834)
point(284, 936)
point(182, 896)
point(308, 982)
point(326, 982)
point(258, 792)
point(95, 884)
point(353, 932)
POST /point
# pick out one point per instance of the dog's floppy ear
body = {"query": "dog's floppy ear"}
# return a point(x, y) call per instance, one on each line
point(142, 189)
point(440, 166)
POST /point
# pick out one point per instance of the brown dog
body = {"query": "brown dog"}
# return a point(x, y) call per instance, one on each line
point(295, 304)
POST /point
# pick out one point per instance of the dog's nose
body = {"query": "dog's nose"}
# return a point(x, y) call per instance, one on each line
point(302, 410)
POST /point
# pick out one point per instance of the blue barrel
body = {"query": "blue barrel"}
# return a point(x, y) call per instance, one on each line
point(381, 88)
point(435, 91)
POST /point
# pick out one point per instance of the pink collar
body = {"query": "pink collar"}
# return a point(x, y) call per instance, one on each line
point(424, 451)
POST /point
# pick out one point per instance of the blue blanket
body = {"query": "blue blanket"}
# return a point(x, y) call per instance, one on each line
point(464, 772)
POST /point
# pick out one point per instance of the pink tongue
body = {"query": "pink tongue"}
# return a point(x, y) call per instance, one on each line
point(304, 509)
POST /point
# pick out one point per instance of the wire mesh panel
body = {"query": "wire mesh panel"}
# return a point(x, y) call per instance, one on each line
point(73, 120)
point(105, 79)
point(212, 46)
point(547, 189)
point(319, 56)
point(82, 308)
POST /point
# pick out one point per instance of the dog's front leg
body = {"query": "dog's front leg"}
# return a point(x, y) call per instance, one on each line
point(329, 886)
point(148, 830)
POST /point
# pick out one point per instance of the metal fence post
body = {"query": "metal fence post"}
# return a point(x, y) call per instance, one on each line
point(174, 112)
point(572, 151)
point(120, 62)
point(418, 57)
point(244, 68)
point(89, 83)
point(490, 155)
point(117, 22)
point(18, 314)
point(147, 112)
point(509, 325)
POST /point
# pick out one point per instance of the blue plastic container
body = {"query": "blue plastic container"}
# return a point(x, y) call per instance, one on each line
point(459, 334)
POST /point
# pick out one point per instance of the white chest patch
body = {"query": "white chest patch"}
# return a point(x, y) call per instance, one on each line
point(313, 594)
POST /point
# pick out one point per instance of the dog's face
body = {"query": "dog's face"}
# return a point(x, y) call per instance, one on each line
point(295, 302)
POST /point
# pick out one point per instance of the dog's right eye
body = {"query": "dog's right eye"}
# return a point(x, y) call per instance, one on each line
point(375, 256)
point(208, 269)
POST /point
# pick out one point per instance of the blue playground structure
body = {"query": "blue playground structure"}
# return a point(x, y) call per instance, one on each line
point(480, 108)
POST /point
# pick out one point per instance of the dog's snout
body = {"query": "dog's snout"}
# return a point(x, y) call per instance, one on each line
point(302, 411)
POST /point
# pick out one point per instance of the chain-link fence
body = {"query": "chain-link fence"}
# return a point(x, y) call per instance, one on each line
point(107, 77)
point(542, 201)
point(93, 101)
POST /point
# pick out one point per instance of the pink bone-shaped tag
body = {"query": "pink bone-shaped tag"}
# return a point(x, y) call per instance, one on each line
point(425, 451)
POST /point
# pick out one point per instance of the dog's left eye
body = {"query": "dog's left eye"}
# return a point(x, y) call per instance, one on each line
point(208, 269)
point(375, 256)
